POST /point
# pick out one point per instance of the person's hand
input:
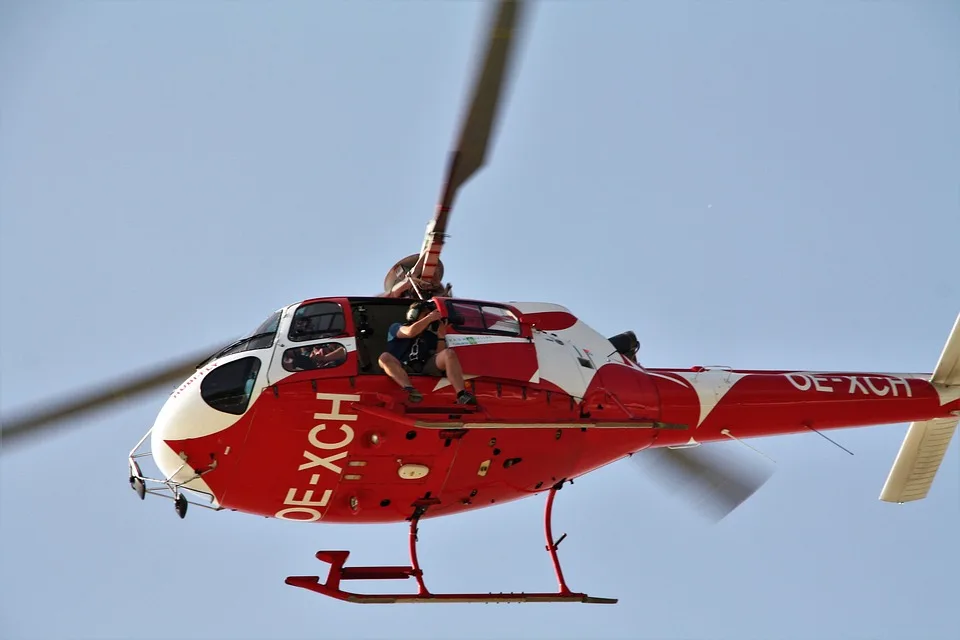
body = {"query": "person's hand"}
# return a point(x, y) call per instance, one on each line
point(433, 316)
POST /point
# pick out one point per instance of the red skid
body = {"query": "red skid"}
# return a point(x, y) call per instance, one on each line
point(313, 584)
point(338, 572)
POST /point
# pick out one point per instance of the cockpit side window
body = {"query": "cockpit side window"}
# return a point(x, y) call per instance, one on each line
point(315, 356)
point(316, 321)
point(228, 387)
point(473, 317)
point(500, 320)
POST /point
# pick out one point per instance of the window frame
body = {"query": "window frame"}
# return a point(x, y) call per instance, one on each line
point(450, 308)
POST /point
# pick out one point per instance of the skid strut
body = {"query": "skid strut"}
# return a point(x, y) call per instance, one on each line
point(338, 572)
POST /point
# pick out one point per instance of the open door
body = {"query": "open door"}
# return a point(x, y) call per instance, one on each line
point(490, 339)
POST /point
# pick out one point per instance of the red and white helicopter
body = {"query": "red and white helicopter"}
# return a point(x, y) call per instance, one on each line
point(298, 421)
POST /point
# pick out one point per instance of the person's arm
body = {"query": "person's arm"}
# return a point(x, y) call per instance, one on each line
point(323, 357)
point(415, 329)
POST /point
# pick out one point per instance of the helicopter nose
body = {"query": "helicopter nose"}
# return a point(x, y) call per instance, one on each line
point(211, 400)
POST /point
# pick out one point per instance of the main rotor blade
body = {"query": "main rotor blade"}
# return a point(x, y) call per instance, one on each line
point(478, 124)
point(18, 429)
point(711, 479)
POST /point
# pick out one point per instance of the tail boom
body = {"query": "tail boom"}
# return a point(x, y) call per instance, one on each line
point(765, 403)
point(719, 403)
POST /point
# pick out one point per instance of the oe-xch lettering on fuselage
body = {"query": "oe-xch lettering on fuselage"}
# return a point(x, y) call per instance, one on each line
point(322, 462)
point(860, 385)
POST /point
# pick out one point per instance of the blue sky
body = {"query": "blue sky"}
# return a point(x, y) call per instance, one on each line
point(741, 183)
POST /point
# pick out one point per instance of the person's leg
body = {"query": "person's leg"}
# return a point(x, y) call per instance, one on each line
point(447, 362)
point(393, 368)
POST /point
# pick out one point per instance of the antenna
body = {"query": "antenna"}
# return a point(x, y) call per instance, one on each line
point(727, 433)
point(826, 438)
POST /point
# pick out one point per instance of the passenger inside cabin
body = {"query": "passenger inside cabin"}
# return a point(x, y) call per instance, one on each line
point(418, 346)
point(328, 355)
point(321, 356)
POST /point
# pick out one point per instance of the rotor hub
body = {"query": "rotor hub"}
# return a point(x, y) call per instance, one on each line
point(402, 270)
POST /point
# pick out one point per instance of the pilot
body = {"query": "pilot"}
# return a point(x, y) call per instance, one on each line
point(301, 327)
point(419, 346)
point(296, 360)
point(323, 356)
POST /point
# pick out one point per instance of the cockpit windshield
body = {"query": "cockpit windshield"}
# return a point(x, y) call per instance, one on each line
point(260, 338)
point(268, 326)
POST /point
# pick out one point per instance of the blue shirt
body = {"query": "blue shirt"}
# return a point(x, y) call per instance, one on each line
point(400, 347)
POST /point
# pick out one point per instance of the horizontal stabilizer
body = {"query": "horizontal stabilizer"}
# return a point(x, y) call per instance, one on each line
point(919, 459)
point(926, 442)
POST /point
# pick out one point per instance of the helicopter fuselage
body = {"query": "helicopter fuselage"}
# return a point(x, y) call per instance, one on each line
point(337, 441)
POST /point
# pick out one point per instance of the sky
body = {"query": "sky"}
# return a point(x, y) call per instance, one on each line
point(749, 184)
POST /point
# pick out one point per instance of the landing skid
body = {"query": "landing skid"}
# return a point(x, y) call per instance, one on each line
point(338, 572)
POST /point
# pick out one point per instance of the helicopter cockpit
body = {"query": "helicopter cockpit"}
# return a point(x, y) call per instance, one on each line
point(229, 387)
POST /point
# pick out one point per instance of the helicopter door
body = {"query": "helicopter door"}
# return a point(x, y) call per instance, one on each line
point(490, 340)
point(318, 344)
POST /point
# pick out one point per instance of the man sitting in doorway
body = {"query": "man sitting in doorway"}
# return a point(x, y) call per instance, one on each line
point(419, 346)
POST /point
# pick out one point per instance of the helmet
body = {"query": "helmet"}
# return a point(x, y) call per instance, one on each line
point(413, 312)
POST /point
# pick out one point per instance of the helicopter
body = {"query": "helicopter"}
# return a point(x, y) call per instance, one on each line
point(298, 421)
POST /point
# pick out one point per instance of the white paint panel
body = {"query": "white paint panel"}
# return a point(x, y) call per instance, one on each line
point(559, 365)
point(711, 386)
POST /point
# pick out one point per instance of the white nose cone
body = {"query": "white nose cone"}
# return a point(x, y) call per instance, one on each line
point(185, 416)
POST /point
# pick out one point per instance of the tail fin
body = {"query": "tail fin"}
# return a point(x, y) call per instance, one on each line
point(926, 442)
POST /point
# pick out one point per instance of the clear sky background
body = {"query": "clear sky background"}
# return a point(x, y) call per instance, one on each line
point(752, 184)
